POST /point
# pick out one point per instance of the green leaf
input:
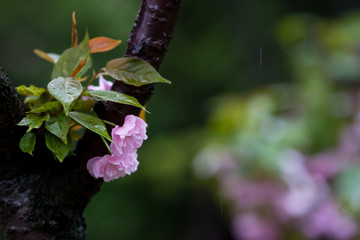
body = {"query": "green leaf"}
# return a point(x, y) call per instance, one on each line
point(90, 122)
point(59, 126)
point(57, 146)
point(70, 58)
point(86, 111)
point(133, 71)
point(28, 91)
point(50, 107)
point(113, 96)
point(65, 90)
point(32, 99)
point(38, 100)
point(27, 142)
point(87, 104)
point(33, 120)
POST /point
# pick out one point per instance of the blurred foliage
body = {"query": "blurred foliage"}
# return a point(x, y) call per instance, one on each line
point(286, 156)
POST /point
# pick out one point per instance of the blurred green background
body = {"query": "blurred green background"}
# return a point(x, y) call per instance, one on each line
point(219, 48)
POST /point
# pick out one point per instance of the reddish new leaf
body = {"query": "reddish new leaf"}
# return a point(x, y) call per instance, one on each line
point(51, 57)
point(80, 66)
point(74, 33)
point(102, 44)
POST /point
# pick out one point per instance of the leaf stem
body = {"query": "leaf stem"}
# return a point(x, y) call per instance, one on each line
point(86, 86)
point(92, 79)
point(106, 144)
point(109, 123)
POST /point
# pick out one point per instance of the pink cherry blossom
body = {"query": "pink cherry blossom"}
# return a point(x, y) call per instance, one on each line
point(130, 136)
point(105, 168)
point(103, 84)
point(123, 160)
point(111, 167)
point(127, 162)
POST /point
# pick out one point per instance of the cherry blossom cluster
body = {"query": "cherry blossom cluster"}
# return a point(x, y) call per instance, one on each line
point(126, 140)
point(123, 160)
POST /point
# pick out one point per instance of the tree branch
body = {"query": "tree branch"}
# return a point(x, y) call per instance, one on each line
point(12, 111)
point(149, 40)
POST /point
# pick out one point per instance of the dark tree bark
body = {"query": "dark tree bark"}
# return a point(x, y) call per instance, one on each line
point(41, 198)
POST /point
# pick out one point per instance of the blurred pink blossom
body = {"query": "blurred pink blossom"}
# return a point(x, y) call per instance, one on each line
point(327, 221)
point(244, 194)
point(250, 227)
point(303, 190)
point(302, 198)
point(324, 165)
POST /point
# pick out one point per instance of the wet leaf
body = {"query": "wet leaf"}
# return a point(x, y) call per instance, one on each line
point(90, 122)
point(51, 57)
point(50, 107)
point(102, 95)
point(27, 142)
point(102, 44)
point(37, 101)
point(87, 104)
point(57, 146)
point(28, 91)
point(133, 71)
point(71, 58)
point(33, 120)
point(65, 90)
point(59, 126)
point(32, 99)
